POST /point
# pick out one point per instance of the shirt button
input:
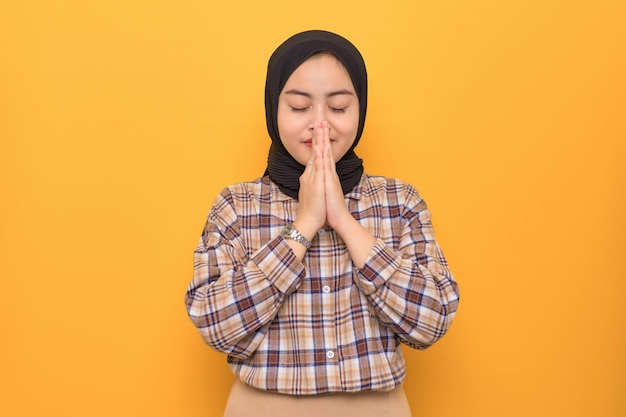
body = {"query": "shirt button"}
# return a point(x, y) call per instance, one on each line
point(321, 232)
point(326, 289)
point(330, 354)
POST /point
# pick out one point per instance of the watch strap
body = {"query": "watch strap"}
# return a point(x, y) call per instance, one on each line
point(290, 232)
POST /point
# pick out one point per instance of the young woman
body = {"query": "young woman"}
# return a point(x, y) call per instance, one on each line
point(311, 277)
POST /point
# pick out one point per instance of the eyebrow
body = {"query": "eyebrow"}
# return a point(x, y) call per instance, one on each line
point(308, 95)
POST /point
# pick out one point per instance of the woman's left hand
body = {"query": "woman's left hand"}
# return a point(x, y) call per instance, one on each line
point(358, 240)
point(336, 209)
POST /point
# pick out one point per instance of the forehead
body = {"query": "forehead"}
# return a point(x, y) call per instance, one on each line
point(322, 68)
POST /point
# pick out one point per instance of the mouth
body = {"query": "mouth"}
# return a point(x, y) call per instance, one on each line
point(309, 142)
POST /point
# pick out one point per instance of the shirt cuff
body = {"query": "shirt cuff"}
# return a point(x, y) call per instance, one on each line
point(380, 265)
point(279, 264)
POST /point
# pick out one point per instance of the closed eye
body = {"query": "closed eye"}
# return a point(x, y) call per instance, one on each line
point(299, 109)
point(338, 110)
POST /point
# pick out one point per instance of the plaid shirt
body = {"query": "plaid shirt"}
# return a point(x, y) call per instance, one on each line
point(320, 325)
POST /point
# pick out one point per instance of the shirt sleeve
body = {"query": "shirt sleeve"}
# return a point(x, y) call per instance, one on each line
point(411, 290)
point(233, 296)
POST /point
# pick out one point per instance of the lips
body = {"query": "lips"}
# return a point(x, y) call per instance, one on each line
point(309, 142)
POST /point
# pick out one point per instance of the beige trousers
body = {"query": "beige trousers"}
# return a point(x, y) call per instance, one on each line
point(245, 401)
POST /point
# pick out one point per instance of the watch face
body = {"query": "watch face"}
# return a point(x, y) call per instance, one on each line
point(290, 232)
point(287, 230)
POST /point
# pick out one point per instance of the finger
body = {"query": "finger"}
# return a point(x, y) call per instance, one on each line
point(318, 146)
point(314, 141)
point(329, 161)
point(318, 135)
point(327, 134)
point(307, 173)
point(329, 166)
point(320, 130)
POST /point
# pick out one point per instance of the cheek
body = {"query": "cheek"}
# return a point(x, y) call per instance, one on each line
point(347, 126)
point(289, 124)
point(283, 126)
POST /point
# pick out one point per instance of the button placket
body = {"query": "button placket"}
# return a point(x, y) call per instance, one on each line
point(331, 354)
point(325, 288)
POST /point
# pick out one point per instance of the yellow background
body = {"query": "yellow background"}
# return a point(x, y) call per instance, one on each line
point(121, 120)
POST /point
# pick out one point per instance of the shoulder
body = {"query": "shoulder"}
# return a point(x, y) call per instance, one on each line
point(239, 201)
point(392, 200)
point(257, 189)
point(391, 193)
point(241, 197)
point(377, 184)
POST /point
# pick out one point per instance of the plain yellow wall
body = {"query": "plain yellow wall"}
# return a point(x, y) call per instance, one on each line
point(121, 120)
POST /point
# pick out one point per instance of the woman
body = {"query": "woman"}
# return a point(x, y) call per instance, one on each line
point(312, 276)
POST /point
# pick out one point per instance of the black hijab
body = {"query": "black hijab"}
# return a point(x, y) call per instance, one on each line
point(282, 168)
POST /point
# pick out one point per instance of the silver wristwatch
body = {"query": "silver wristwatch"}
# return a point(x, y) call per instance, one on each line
point(290, 232)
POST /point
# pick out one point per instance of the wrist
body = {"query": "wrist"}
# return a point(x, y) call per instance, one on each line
point(306, 228)
point(292, 233)
point(343, 222)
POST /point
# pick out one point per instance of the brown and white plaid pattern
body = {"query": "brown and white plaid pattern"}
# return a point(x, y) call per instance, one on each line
point(320, 325)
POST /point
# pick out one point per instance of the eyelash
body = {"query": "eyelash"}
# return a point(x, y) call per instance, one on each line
point(303, 109)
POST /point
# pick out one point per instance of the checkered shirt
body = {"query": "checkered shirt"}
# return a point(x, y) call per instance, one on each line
point(321, 325)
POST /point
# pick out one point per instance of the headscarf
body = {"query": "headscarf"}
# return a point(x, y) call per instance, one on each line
point(282, 168)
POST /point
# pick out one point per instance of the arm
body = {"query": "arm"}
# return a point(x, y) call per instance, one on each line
point(234, 297)
point(411, 289)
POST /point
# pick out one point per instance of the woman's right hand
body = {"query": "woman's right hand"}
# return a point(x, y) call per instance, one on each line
point(312, 213)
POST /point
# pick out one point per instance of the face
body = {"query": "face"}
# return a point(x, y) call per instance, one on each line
point(320, 89)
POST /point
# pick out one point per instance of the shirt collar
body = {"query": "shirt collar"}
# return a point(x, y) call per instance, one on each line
point(277, 195)
point(356, 192)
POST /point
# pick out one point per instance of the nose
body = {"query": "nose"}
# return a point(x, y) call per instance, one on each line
point(315, 124)
point(317, 116)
